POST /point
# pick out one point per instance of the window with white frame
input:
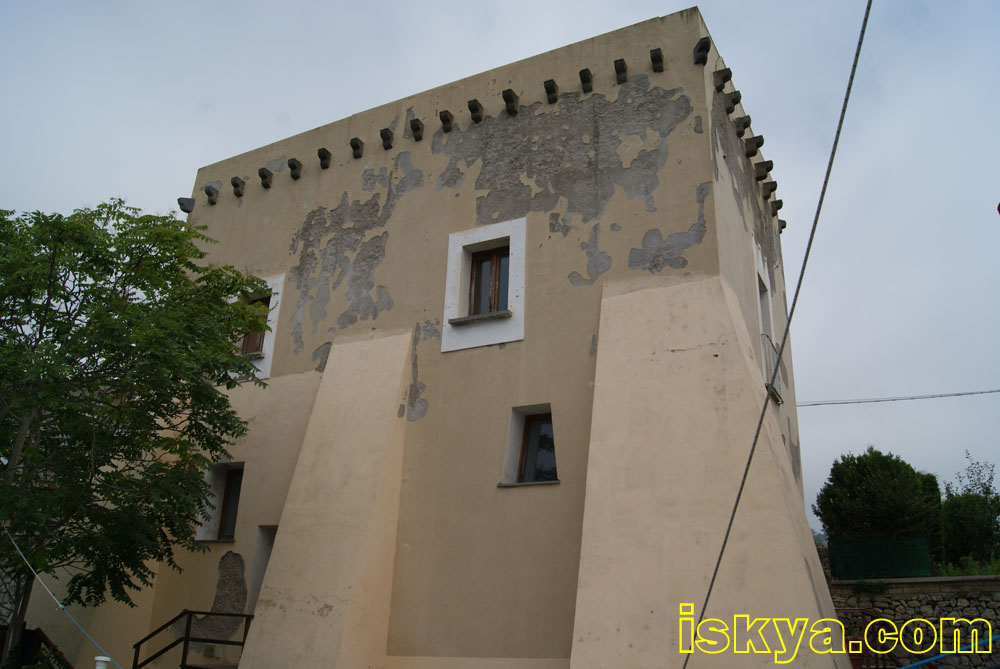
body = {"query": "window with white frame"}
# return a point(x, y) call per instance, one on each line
point(531, 448)
point(259, 346)
point(484, 286)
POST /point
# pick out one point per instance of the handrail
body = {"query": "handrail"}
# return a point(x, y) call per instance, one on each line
point(52, 648)
point(187, 639)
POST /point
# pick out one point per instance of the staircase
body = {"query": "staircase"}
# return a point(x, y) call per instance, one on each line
point(192, 634)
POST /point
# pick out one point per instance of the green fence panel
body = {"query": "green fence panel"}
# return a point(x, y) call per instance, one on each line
point(880, 558)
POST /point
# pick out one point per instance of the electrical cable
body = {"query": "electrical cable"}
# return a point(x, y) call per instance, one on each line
point(791, 313)
point(56, 599)
point(824, 403)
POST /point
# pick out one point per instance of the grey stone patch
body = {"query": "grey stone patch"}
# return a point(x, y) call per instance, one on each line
point(593, 345)
point(432, 330)
point(558, 162)
point(598, 262)
point(383, 301)
point(401, 411)
point(369, 179)
point(615, 227)
point(452, 177)
point(416, 405)
point(278, 164)
point(328, 243)
point(559, 224)
point(657, 253)
point(320, 355)
point(230, 597)
point(361, 281)
point(697, 125)
point(217, 185)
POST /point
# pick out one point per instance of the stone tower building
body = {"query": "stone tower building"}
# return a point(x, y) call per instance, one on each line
point(520, 337)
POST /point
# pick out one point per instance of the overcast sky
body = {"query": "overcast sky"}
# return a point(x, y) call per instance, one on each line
point(129, 99)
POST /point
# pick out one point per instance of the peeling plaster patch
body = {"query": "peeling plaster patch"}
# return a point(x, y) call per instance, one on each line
point(697, 125)
point(598, 262)
point(593, 345)
point(416, 405)
point(361, 280)
point(452, 177)
point(369, 179)
point(230, 597)
point(217, 185)
point(432, 329)
point(329, 244)
point(278, 164)
point(320, 355)
point(559, 224)
point(657, 253)
point(558, 160)
point(615, 227)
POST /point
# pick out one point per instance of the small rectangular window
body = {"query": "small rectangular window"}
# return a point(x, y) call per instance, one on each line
point(538, 450)
point(230, 503)
point(488, 282)
point(253, 342)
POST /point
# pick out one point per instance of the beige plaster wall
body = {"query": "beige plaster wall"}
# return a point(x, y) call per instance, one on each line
point(679, 447)
point(325, 596)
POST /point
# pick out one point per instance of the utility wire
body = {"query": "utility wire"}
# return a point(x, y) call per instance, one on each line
point(56, 600)
point(791, 313)
point(826, 403)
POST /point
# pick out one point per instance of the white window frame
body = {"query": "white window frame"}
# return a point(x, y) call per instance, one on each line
point(487, 331)
point(263, 362)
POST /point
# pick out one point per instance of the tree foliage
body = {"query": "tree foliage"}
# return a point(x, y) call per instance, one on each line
point(971, 511)
point(879, 495)
point(116, 347)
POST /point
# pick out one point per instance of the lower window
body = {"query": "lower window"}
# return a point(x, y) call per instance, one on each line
point(225, 481)
point(230, 503)
point(538, 450)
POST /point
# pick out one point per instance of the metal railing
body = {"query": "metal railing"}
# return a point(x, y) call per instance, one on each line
point(186, 640)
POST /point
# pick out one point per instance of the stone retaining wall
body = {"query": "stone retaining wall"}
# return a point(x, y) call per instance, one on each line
point(901, 600)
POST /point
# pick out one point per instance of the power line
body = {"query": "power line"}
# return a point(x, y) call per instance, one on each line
point(56, 599)
point(791, 313)
point(824, 403)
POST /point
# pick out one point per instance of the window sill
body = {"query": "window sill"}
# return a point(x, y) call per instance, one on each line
point(477, 318)
point(216, 541)
point(526, 483)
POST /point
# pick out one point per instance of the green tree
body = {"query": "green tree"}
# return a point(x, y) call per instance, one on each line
point(116, 348)
point(878, 494)
point(971, 511)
